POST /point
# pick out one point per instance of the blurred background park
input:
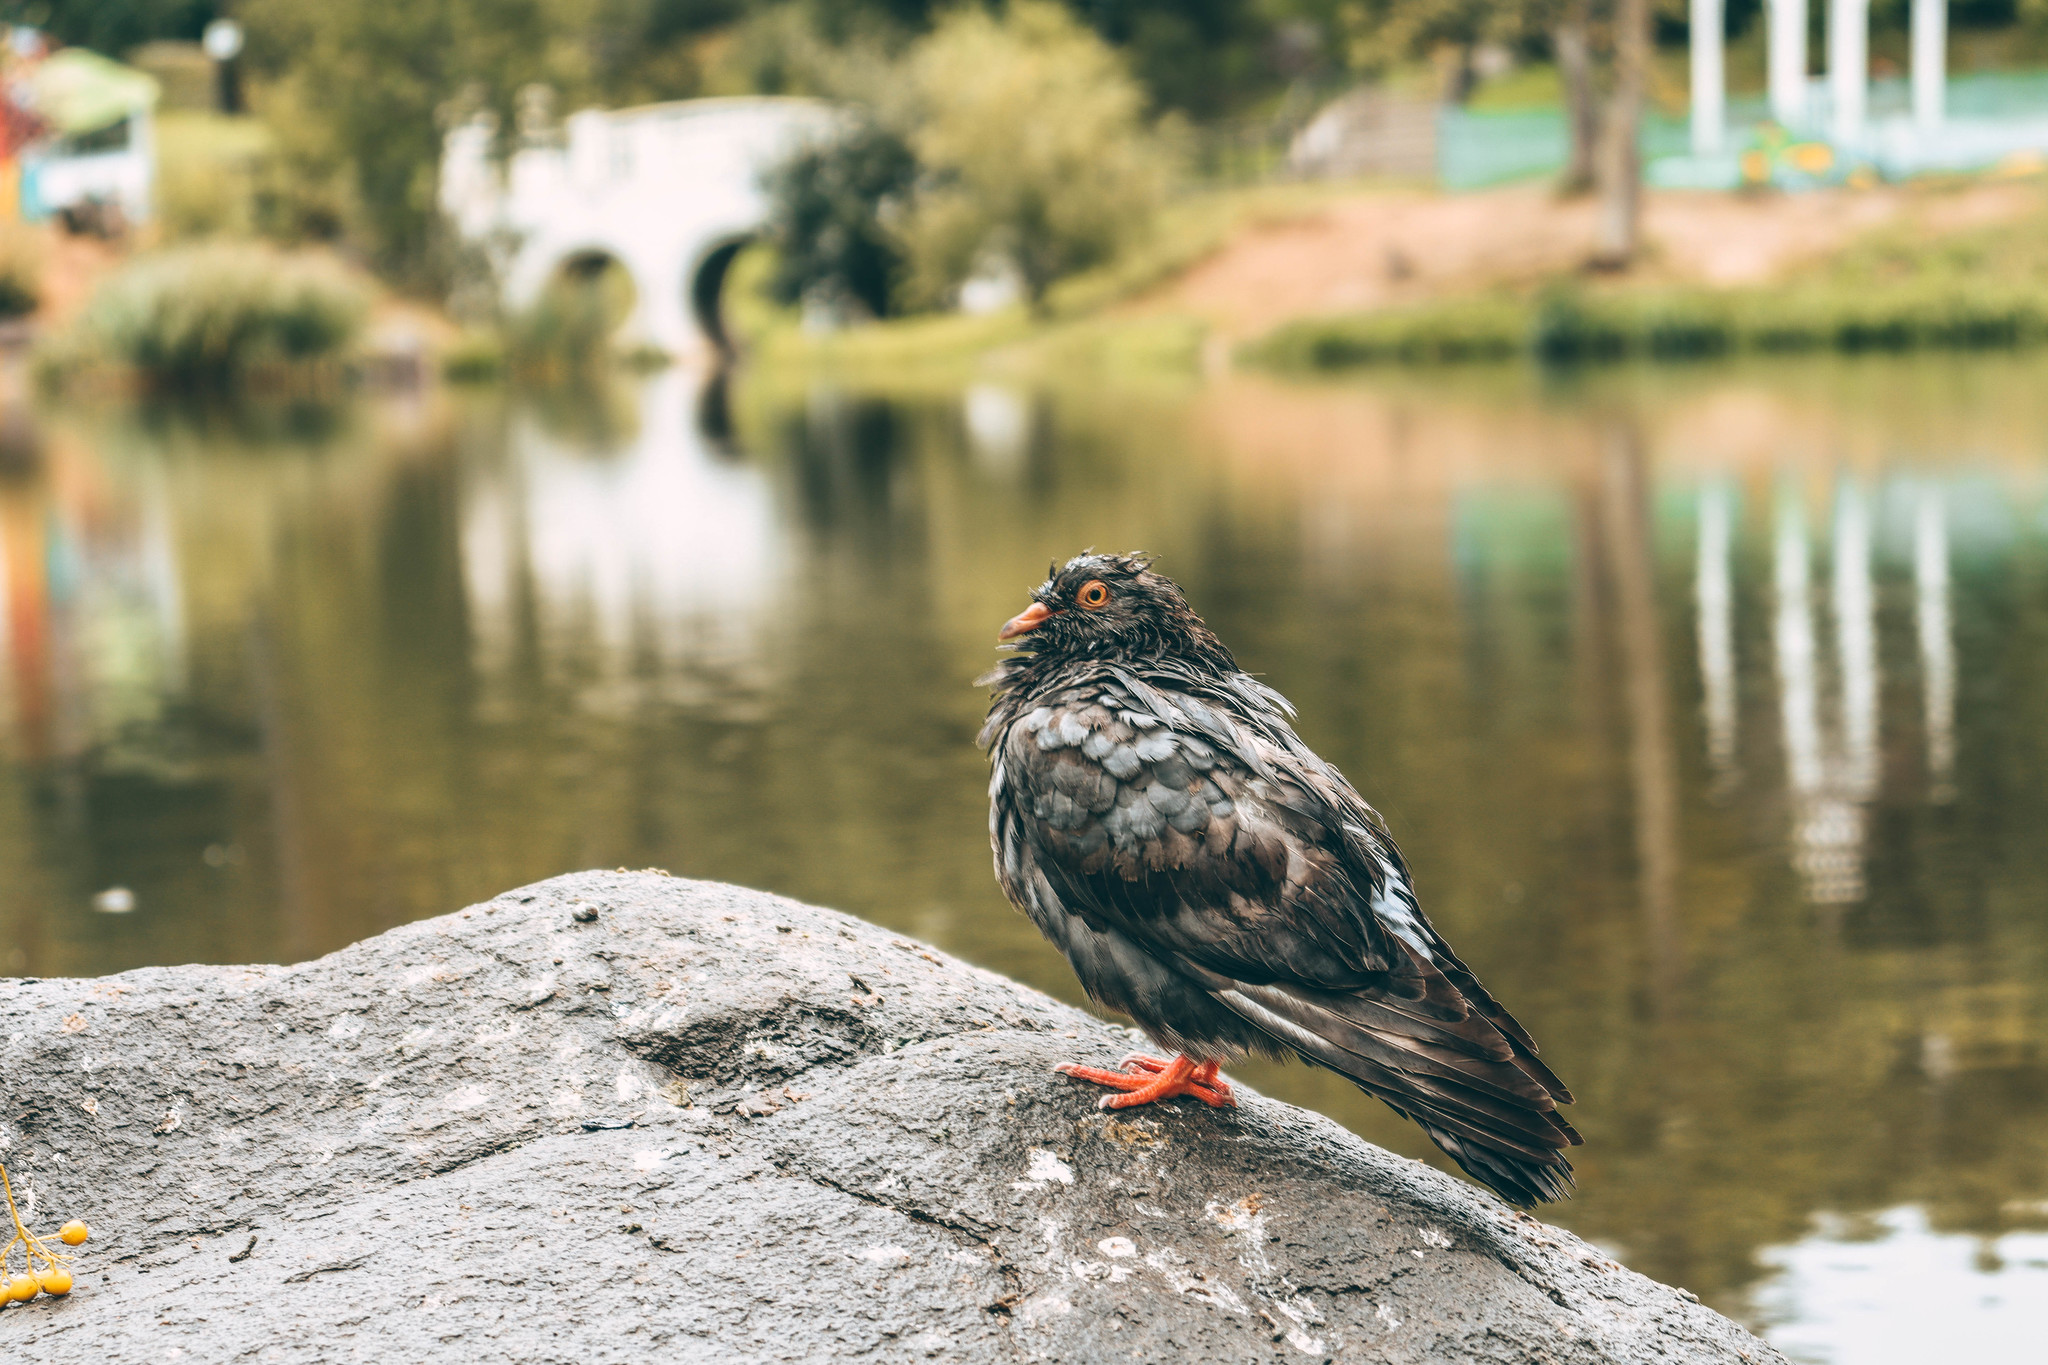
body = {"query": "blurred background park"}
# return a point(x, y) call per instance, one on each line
point(450, 443)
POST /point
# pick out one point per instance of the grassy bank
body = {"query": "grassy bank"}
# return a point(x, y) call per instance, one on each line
point(1565, 324)
point(1893, 291)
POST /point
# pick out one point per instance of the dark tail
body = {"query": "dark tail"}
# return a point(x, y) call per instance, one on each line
point(1515, 1178)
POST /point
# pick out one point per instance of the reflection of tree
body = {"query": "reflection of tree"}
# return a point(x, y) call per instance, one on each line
point(1653, 765)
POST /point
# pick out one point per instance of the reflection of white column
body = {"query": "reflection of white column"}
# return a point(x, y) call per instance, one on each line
point(1930, 62)
point(1848, 66)
point(1937, 639)
point(1792, 638)
point(1716, 600)
point(1855, 606)
point(1827, 826)
point(1786, 59)
point(1709, 79)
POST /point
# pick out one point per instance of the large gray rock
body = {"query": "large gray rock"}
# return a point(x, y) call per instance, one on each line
point(629, 1117)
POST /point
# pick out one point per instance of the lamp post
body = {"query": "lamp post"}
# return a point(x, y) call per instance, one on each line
point(223, 42)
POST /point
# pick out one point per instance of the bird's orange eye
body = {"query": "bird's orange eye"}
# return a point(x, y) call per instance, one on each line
point(1094, 593)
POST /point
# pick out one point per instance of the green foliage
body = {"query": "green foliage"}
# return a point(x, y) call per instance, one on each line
point(1033, 148)
point(833, 206)
point(205, 316)
point(114, 26)
point(569, 330)
point(210, 174)
point(21, 273)
point(1568, 327)
point(474, 358)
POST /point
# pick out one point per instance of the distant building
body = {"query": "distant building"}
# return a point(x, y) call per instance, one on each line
point(80, 136)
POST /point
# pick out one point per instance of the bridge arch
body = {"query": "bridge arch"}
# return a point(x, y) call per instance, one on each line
point(707, 289)
point(671, 191)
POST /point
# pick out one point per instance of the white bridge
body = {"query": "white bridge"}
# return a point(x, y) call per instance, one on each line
point(669, 191)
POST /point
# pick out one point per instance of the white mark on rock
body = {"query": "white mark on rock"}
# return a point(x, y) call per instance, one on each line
point(649, 1160)
point(1306, 1344)
point(345, 1028)
point(468, 1097)
point(1045, 1168)
point(1039, 1307)
point(885, 1255)
point(1385, 1313)
point(1117, 1247)
point(1440, 1240)
point(627, 1087)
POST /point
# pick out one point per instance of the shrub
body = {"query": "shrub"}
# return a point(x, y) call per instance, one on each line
point(571, 328)
point(21, 272)
point(1033, 150)
point(206, 315)
point(833, 204)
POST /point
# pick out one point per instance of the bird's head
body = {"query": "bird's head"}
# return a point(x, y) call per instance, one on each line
point(1113, 607)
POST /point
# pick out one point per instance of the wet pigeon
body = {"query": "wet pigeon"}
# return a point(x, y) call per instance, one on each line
point(1154, 813)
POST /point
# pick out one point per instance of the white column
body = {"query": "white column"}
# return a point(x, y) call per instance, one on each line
point(1930, 62)
point(1848, 67)
point(1709, 80)
point(1786, 60)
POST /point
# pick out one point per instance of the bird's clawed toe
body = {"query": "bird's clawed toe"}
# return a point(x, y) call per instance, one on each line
point(1148, 1079)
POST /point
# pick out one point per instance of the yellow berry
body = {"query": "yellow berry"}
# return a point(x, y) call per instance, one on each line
point(74, 1232)
point(21, 1289)
point(56, 1282)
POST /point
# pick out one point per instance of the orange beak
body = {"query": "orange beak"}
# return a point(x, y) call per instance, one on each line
point(1026, 621)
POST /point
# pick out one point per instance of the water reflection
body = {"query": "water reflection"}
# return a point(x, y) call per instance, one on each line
point(1937, 646)
point(654, 562)
point(1640, 669)
point(1714, 600)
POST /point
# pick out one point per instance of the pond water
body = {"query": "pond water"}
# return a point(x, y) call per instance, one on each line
point(1710, 706)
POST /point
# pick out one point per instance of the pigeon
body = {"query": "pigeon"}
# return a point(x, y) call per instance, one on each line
point(1205, 873)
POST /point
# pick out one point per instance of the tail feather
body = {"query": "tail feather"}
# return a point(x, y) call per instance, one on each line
point(1491, 1115)
point(1514, 1178)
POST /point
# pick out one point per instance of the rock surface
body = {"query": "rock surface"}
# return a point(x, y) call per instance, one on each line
point(628, 1117)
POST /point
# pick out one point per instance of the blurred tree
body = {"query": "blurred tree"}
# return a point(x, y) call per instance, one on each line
point(832, 220)
point(1571, 41)
point(1033, 149)
point(113, 26)
point(1205, 58)
point(356, 86)
point(1619, 167)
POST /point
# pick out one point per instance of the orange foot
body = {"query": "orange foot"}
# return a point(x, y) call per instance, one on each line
point(1145, 1079)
